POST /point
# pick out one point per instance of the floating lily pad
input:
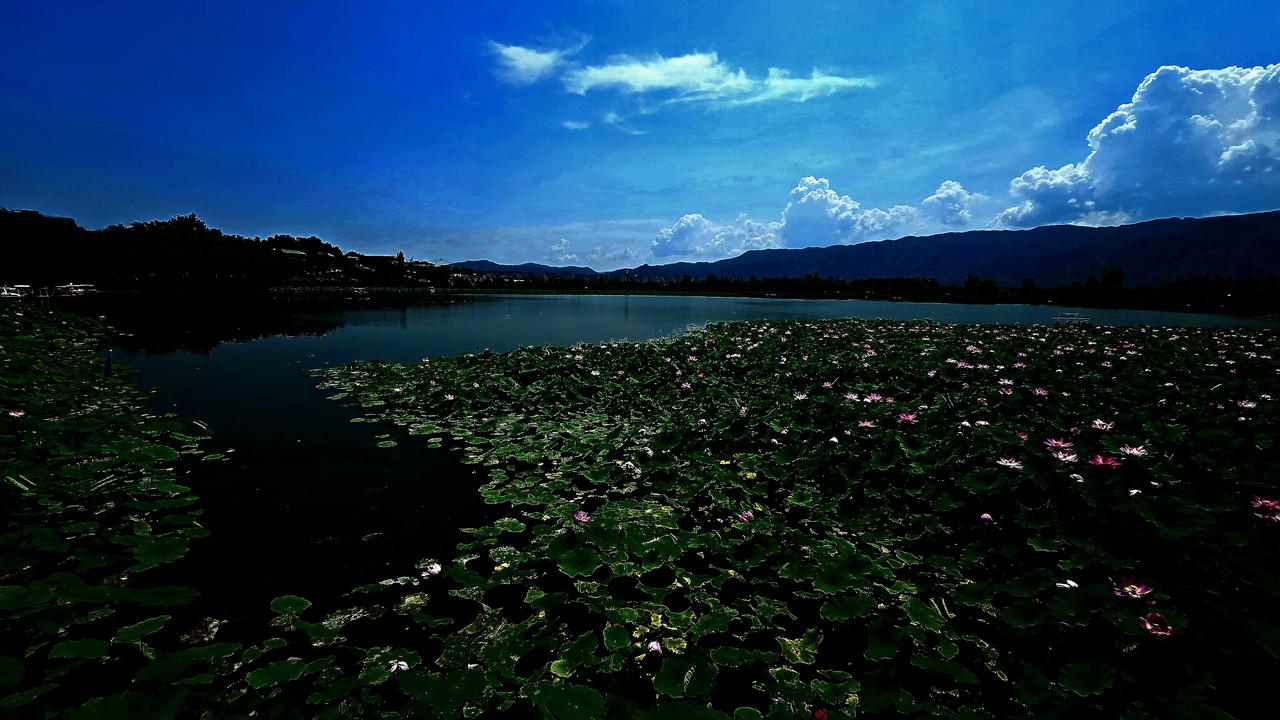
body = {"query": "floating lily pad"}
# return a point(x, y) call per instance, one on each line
point(290, 604)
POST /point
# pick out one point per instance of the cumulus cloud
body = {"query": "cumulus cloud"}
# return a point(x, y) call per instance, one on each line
point(815, 215)
point(1190, 142)
point(949, 204)
point(695, 236)
point(524, 66)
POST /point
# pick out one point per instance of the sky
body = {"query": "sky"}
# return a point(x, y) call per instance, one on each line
point(612, 134)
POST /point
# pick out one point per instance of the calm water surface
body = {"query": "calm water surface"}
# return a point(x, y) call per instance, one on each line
point(307, 503)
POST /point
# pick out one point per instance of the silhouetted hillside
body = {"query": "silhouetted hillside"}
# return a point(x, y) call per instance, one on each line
point(488, 266)
point(1150, 253)
point(183, 253)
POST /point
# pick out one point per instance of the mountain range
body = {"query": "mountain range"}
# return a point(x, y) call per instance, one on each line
point(529, 268)
point(1149, 252)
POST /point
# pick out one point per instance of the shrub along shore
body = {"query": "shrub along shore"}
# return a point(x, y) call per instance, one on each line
point(781, 519)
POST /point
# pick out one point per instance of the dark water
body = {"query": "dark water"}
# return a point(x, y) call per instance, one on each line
point(307, 503)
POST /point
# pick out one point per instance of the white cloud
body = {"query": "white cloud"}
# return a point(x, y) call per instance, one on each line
point(949, 204)
point(525, 66)
point(575, 125)
point(815, 215)
point(619, 122)
point(818, 215)
point(779, 85)
point(601, 244)
point(694, 236)
point(705, 77)
point(695, 74)
point(1190, 142)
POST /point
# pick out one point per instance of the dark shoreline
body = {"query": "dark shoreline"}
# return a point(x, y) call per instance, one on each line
point(342, 297)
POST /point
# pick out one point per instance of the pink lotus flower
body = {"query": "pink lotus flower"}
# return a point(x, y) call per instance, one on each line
point(873, 397)
point(1128, 587)
point(866, 423)
point(1009, 463)
point(655, 647)
point(986, 517)
point(1138, 451)
point(1040, 392)
point(1102, 425)
point(1104, 461)
point(685, 385)
point(1266, 509)
point(801, 396)
point(1022, 435)
point(907, 417)
point(1156, 624)
point(746, 516)
point(1057, 444)
point(1066, 457)
point(17, 413)
point(582, 516)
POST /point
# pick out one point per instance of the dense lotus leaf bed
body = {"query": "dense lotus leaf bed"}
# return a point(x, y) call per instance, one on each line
point(802, 520)
point(90, 506)
point(830, 519)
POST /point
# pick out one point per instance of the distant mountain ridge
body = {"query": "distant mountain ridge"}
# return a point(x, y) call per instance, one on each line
point(488, 266)
point(1150, 253)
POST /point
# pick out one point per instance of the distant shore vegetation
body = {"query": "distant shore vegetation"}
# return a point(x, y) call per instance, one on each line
point(182, 255)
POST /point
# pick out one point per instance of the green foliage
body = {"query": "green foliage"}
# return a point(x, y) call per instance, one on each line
point(91, 504)
point(863, 581)
point(864, 578)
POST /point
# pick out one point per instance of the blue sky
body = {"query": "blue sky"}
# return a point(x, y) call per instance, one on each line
point(611, 133)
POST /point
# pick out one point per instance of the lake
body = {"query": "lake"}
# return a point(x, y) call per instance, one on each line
point(307, 503)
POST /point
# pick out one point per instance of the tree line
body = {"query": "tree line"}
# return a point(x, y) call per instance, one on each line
point(1252, 296)
point(185, 254)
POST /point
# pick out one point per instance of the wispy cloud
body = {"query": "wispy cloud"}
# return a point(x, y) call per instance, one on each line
point(617, 121)
point(520, 65)
point(705, 77)
point(575, 125)
point(695, 74)
point(692, 77)
point(602, 244)
point(779, 85)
